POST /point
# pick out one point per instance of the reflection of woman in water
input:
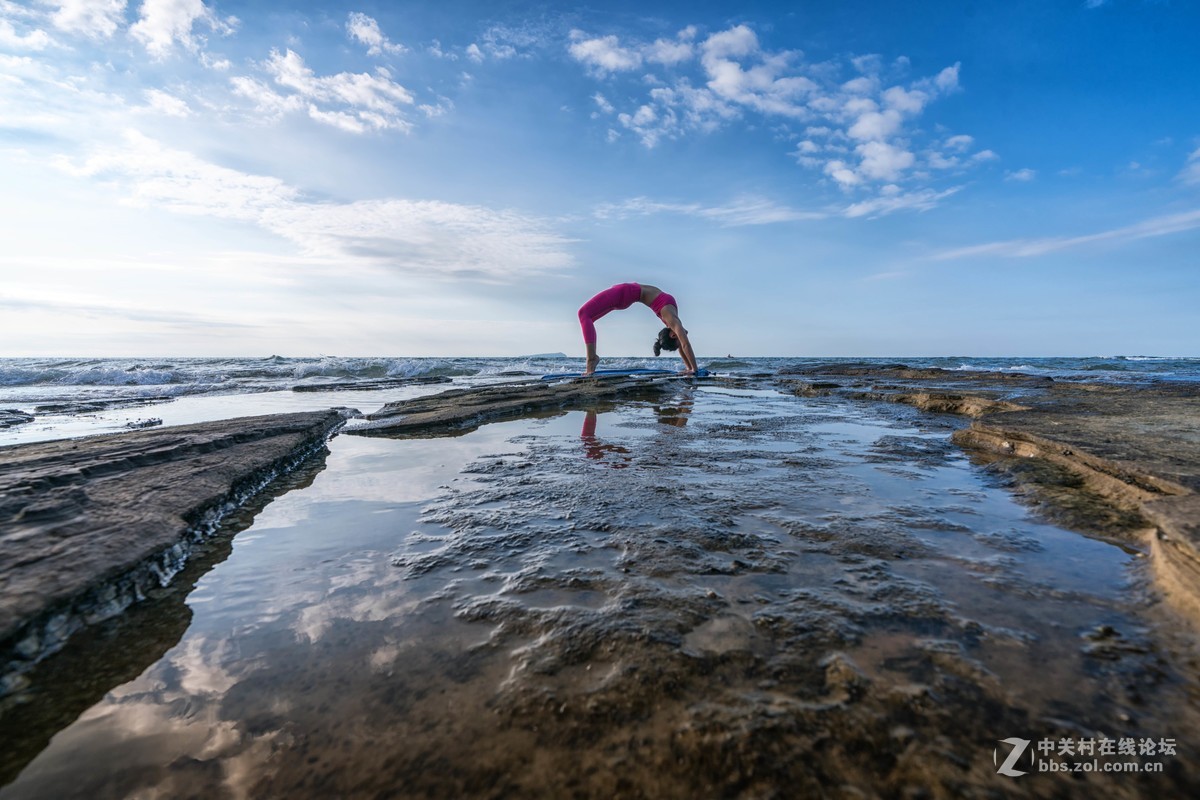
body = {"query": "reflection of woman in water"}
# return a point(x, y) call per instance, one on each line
point(623, 295)
point(594, 447)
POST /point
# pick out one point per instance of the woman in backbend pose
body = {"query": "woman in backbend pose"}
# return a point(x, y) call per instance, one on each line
point(623, 295)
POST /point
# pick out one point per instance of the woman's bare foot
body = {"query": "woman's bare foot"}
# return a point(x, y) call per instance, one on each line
point(590, 365)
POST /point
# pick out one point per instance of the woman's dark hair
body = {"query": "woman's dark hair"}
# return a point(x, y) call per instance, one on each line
point(665, 341)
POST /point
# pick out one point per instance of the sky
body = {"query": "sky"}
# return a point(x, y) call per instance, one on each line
point(832, 178)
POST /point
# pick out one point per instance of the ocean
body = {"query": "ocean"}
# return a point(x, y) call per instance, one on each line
point(48, 380)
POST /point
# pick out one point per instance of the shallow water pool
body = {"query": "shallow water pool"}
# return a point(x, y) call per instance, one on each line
point(724, 593)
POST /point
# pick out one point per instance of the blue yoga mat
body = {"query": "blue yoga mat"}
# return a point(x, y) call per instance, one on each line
point(616, 373)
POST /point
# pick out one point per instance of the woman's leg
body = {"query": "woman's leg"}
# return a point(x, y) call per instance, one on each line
point(593, 360)
point(616, 297)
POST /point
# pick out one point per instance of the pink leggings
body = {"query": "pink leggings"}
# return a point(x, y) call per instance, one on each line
point(623, 295)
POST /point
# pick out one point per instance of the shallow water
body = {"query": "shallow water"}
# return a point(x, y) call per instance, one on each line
point(727, 593)
point(194, 409)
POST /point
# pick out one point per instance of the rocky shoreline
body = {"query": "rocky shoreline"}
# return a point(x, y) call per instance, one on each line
point(98, 517)
point(719, 584)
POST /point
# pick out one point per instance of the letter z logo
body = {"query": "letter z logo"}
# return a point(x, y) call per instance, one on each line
point(1018, 748)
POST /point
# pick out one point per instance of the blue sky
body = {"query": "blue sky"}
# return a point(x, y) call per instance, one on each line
point(846, 178)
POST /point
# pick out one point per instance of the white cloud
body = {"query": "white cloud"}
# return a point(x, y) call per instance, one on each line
point(741, 212)
point(1024, 248)
point(162, 23)
point(353, 102)
point(869, 64)
point(1023, 175)
point(736, 42)
point(443, 107)
point(502, 42)
point(98, 19)
point(947, 79)
point(864, 84)
point(164, 103)
point(984, 155)
point(181, 182)
point(407, 236)
point(936, 160)
point(265, 99)
point(602, 103)
point(216, 62)
point(603, 54)
point(365, 30)
point(765, 86)
point(858, 132)
point(646, 123)
point(671, 111)
point(34, 40)
point(959, 143)
point(35, 95)
point(337, 119)
point(436, 51)
point(882, 161)
point(891, 199)
point(843, 173)
point(665, 51)
point(377, 92)
point(904, 100)
point(1191, 172)
point(875, 126)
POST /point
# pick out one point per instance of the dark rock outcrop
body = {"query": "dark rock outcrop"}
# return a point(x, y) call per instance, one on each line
point(88, 525)
point(459, 410)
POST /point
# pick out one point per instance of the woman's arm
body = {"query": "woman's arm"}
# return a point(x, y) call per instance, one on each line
point(685, 346)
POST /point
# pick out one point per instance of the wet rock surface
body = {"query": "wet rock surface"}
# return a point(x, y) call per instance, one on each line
point(460, 410)
point(358, 386)
point(1128, 455)
point(99, 404)
point(12, 416)
point(746, 628)
point(1122, 460)
point(769, 587)
point(89, 525)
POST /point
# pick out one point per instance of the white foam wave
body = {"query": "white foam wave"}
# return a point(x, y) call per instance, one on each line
point(124, 377)
point(965, 367)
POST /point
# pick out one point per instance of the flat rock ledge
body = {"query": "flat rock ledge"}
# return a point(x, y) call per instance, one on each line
point(88, 526)
point(11, 417)
point(1134, 447)
point(460, 410)
point(1138, 448)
